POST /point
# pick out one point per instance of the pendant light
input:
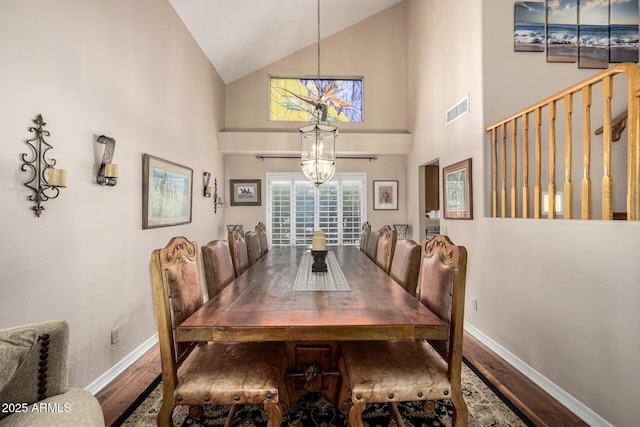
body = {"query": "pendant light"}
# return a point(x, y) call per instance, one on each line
point(318, 140)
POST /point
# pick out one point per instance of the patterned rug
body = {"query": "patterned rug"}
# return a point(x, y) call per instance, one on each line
point(486, 408)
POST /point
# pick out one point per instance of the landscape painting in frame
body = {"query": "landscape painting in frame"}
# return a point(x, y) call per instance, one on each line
point(529, 26)
point(562, 30)
point(593, 34)
point(623, 45)
point(166, 192)
point(295, 99)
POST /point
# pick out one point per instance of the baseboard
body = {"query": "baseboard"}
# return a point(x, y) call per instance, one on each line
point(570, 402)
point(119, 367)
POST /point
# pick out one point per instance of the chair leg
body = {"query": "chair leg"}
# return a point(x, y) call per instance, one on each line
point(231, 415)
point(275, 414)
point(395, 414)
point(344, 396)
point(165, 414)
point(355, 414)
point(460, 411)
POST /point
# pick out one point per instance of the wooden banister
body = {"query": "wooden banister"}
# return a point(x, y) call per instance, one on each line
point(508, 128)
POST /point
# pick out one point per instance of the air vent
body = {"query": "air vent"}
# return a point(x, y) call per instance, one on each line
point(457, 110)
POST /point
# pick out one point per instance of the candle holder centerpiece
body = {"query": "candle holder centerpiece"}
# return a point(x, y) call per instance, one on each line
point(319, 252)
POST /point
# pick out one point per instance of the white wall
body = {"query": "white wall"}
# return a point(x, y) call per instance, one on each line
point(129, 70)
point(558, 295)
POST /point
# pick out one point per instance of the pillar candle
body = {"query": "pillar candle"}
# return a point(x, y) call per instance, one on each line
point(57, 177)
point(221, 200)
point(207, 190)
point(111, 170)
point(319, 242)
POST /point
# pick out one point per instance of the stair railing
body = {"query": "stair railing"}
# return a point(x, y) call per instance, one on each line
point(508, 128)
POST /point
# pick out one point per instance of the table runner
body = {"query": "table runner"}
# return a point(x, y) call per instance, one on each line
point(332, 280)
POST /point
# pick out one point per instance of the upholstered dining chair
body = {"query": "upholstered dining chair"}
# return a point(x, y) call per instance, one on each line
point(406, 265)
point(261, 229)
point(372, 245)
point(408, 370)
point(207, 373)
point(253, 246)
point(217, 266)
point(387, 239)
point(364, 237)
point(238, 250)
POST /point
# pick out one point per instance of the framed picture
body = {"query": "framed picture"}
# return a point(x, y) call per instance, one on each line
point(245, 192)
point(166, 193)
point(385, 195)
point(456, 190)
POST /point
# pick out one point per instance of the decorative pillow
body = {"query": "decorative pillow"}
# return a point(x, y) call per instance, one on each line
point(14, 349)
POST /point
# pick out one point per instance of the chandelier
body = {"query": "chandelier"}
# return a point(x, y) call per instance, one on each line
point(318, 147)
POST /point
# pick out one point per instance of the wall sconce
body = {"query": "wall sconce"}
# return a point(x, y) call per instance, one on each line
point(108, 172)
point(206, 176)
point(218, 202)
point(44, 187)
point(559, 203)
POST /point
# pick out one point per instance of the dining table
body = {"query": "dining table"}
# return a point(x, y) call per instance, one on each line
point(262, 305)
point(279, 298)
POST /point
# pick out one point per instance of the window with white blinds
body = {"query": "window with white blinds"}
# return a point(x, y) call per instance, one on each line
point(296, 207)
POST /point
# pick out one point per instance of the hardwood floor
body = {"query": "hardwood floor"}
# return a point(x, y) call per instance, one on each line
point(536, 404)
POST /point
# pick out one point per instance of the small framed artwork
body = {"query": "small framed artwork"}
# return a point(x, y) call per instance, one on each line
point(245, 192)
point(456, 190)
point(385, 195)
point(166, 193)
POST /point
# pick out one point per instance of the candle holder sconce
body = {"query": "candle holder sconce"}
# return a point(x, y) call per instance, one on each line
point(45, 181)
point(206, 176)
point(218, 202)
point(108, 172)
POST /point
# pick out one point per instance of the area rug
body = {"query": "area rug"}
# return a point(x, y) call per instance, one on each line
point(487, 407)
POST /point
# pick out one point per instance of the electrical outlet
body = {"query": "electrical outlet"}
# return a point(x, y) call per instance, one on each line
point(474, 304)
point(115, 335)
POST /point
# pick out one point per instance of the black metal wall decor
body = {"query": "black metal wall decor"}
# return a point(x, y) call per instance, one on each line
point(45, 180)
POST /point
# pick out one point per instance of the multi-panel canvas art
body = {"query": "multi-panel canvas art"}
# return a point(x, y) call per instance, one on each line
point(529, 27)
point(593, 33)
point(623, 31)
point(562, 31)
point(295, 99)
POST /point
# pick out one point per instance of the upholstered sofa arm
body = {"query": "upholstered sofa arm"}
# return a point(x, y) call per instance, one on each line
point(34, 381)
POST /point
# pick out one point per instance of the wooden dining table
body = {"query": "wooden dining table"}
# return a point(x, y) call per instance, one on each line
point(261, 305)
point(264, 304)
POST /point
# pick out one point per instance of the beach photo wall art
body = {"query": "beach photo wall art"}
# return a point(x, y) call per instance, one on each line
point(562, 31)
point(529, 26)
point(593, 33)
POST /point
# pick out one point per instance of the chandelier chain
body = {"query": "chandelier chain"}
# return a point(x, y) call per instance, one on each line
point(318, 40)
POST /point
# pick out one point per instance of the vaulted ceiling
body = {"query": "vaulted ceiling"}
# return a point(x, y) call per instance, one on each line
point(242, 36)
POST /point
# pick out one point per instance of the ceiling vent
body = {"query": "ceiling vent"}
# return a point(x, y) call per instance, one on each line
point(457, 110)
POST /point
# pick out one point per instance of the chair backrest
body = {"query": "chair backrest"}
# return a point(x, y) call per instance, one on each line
point(441, 287)
point(372, 245)
point(218, 266)
point(387, 238)
point(261, 229)
point(364, 237)
point(238, 249)
point(406, 265)
point(253, 246)
point(177, 293)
